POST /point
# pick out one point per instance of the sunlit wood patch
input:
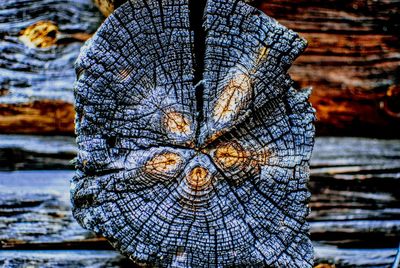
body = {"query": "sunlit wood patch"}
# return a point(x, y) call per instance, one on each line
point(177, 123)
point(231, 155)
point(41, 34)
point(198, 178)
point(163, 163)
point(232, 98)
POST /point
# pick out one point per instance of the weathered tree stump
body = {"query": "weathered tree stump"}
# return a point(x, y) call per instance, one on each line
point(193, 144)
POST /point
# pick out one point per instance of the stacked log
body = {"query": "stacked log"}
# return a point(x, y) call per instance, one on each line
point(352, 62)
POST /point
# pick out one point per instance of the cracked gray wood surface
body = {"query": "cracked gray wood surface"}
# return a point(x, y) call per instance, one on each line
point(193, 146)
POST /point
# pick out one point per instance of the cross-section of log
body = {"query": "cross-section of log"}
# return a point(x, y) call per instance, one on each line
point(193, 144)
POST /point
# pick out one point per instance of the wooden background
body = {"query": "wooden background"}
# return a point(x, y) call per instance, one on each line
point(352, 62)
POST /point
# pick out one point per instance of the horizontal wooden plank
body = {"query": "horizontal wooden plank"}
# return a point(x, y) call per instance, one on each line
point(357, 16)
point(36, 152)
point(38, 116)
point(35, 208)
point(62, 258)
point(352, 62)
point(377, 258)
point(109, 258)
point(337, 157)
point(52, 145)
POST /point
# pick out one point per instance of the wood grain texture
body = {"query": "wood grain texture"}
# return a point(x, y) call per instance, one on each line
point(63, 258)
point(360, 258)
point(22, 152)
point(40, 40)
point(39, 116)
point(352, 62)
point(160, 93)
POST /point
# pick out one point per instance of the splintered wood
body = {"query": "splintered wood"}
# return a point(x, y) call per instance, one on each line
point(195, 142)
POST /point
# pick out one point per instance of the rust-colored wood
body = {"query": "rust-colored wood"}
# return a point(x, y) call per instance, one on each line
point(39, 117)
point(352, 62)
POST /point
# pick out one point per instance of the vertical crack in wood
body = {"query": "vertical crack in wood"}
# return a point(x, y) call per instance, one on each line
point(196, 16)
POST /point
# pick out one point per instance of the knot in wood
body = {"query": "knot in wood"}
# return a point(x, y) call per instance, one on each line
point(198, 178)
